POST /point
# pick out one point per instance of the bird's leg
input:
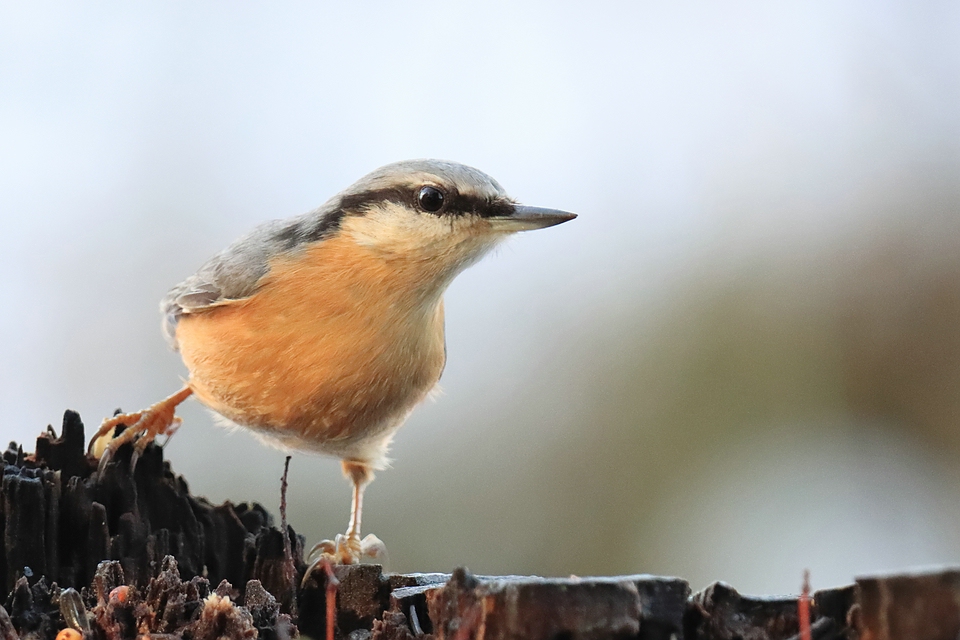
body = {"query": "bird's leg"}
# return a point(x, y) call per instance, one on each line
point(360, 475)
point(142, 426)
point(348, 548)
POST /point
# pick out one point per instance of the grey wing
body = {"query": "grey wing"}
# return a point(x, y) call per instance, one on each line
point(237, 271)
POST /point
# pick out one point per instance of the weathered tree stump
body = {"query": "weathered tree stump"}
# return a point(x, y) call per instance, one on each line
point(131, 554)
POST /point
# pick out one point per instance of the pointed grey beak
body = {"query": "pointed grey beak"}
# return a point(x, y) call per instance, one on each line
point(526, 218)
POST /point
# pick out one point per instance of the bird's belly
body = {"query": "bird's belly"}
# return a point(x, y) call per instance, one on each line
point(331, 381)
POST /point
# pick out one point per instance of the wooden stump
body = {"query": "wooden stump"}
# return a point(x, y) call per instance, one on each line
point(125, 554)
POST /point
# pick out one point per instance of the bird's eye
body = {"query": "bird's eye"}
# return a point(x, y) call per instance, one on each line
point(430, 199)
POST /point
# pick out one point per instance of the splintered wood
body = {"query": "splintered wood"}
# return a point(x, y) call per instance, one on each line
point(116, 554)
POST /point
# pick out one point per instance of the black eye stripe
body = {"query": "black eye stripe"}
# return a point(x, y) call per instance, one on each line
point(480, 206)
point(357, 203)
point(454, 203)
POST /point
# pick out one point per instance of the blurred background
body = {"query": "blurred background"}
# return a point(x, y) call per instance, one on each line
point(742, 360)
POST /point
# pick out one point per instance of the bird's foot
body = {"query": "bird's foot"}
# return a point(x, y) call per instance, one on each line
point(344, 549)
point(142, 427)
point(349, 549)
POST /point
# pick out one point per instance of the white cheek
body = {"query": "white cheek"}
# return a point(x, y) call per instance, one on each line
point(398, 232)
point(391, 228)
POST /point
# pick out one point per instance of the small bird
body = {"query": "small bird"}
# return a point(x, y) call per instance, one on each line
point(323, 331)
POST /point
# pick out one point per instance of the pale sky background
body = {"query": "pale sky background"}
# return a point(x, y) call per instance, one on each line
point(736, 364)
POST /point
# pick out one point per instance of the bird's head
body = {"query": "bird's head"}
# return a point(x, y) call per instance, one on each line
point(434, 212)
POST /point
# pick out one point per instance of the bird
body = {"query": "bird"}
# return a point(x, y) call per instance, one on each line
point(322, 332)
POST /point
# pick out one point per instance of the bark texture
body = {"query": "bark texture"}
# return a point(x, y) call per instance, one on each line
point(131, 553)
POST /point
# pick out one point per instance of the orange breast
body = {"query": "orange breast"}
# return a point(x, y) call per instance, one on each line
point(330, 354)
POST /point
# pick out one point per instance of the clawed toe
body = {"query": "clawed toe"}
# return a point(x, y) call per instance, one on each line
point(344, 549)
point(324, 548)
point(142, 427)
point(101, 440)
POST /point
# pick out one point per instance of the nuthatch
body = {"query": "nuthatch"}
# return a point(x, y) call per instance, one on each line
point(323, 331)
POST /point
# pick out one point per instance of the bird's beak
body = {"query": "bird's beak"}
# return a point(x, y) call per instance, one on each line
point(526, 218)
